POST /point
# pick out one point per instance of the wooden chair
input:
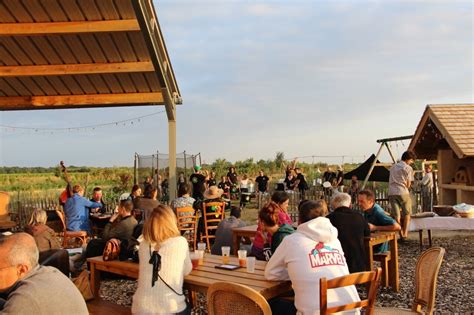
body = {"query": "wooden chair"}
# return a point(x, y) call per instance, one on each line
point(67, 235)
point(187, 224)
point(427, 268)
point(370, 277)
point(228, 298)
point(211, 220)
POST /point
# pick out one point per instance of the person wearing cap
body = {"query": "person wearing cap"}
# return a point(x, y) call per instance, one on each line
point(199, 183)
point(120, 226)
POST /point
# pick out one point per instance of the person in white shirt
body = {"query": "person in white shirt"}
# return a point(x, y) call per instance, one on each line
point(427, 189)
point(307, 255)
point(164, 261)
point(401, 176)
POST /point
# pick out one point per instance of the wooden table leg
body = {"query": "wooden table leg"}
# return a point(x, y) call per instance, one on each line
point(370, 255)
point(235, 241)
point(192, 298)
point(393, 265)
point(95, 280)
point(429, 237)
point(420, 232)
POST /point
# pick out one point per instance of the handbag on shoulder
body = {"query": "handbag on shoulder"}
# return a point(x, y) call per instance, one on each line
point(111, 250)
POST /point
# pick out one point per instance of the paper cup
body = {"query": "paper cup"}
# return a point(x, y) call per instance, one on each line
point(225, 254)
point(242, 257)
point(194, 259)
point(201, 256)
point(251, 264)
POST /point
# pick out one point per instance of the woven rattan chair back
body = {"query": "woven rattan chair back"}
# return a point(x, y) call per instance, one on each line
point(227, 298)
point(211, 219)
point(187, 224)
point(372, 278)
point(427, 269)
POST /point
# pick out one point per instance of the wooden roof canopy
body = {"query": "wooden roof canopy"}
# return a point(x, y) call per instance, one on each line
point(442, 127)
point(83, 53)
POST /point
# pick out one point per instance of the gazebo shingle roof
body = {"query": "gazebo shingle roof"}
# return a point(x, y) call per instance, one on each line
point(449, 123)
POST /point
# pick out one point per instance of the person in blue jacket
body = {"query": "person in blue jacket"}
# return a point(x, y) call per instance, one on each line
point(76, 210)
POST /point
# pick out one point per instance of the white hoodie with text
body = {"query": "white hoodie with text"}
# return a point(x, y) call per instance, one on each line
point(311, 253)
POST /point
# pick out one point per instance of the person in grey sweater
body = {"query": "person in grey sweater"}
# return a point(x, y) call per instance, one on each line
point(224, 231)
point(27, 288)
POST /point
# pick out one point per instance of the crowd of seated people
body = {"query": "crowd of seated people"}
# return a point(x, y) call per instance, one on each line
point(292, 252)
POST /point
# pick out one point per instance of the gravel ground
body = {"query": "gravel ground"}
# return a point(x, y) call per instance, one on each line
point(455, 292)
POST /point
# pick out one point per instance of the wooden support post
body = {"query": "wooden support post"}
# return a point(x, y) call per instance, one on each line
point(172, 155)
point(372, 166)
point(390, 152)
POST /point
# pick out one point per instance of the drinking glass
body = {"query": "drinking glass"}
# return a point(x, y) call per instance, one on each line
point(251, 264)
point(225, 254)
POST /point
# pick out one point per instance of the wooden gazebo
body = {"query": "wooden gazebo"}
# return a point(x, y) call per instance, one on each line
point(57, 54)
point(446, 134)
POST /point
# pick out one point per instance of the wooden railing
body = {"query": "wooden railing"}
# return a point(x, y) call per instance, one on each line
point(22, 206)
point(316, 193)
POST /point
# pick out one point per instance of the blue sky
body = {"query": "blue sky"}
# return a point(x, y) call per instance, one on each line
point(302, 77)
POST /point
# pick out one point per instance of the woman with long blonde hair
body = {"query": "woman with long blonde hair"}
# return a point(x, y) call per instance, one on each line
point(164, 261)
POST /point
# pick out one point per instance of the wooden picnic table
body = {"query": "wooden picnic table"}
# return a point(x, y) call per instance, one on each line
point(199, 279)
point(380, 238)
point(245, 231)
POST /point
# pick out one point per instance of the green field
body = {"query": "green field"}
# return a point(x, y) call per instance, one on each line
point(50, 184)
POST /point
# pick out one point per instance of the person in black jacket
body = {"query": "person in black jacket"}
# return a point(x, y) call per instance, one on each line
point(352, 228)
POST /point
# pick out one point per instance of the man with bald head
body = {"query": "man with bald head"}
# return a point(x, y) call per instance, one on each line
point(28, 288)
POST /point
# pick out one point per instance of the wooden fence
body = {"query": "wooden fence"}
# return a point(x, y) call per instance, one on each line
point(316, 193)
point(23, 205)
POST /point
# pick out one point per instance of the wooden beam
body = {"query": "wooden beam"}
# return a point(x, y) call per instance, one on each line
point(29, 29)
point(77, 101)
point(394, 139)
point(151, 31)
point(72, 69)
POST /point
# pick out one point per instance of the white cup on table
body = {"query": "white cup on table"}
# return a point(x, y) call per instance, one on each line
point(251, 264)
point(242, 257)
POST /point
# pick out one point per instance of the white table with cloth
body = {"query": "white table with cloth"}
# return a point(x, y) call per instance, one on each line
point(439, 223)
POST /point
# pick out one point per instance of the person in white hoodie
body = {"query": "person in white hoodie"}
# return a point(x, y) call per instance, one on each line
point(164, 261)
point(311, 253)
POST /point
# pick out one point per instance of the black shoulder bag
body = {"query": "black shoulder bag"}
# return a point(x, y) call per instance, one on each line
point(155, 260)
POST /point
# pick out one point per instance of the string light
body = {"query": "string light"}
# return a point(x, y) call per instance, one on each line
point(10, 128)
